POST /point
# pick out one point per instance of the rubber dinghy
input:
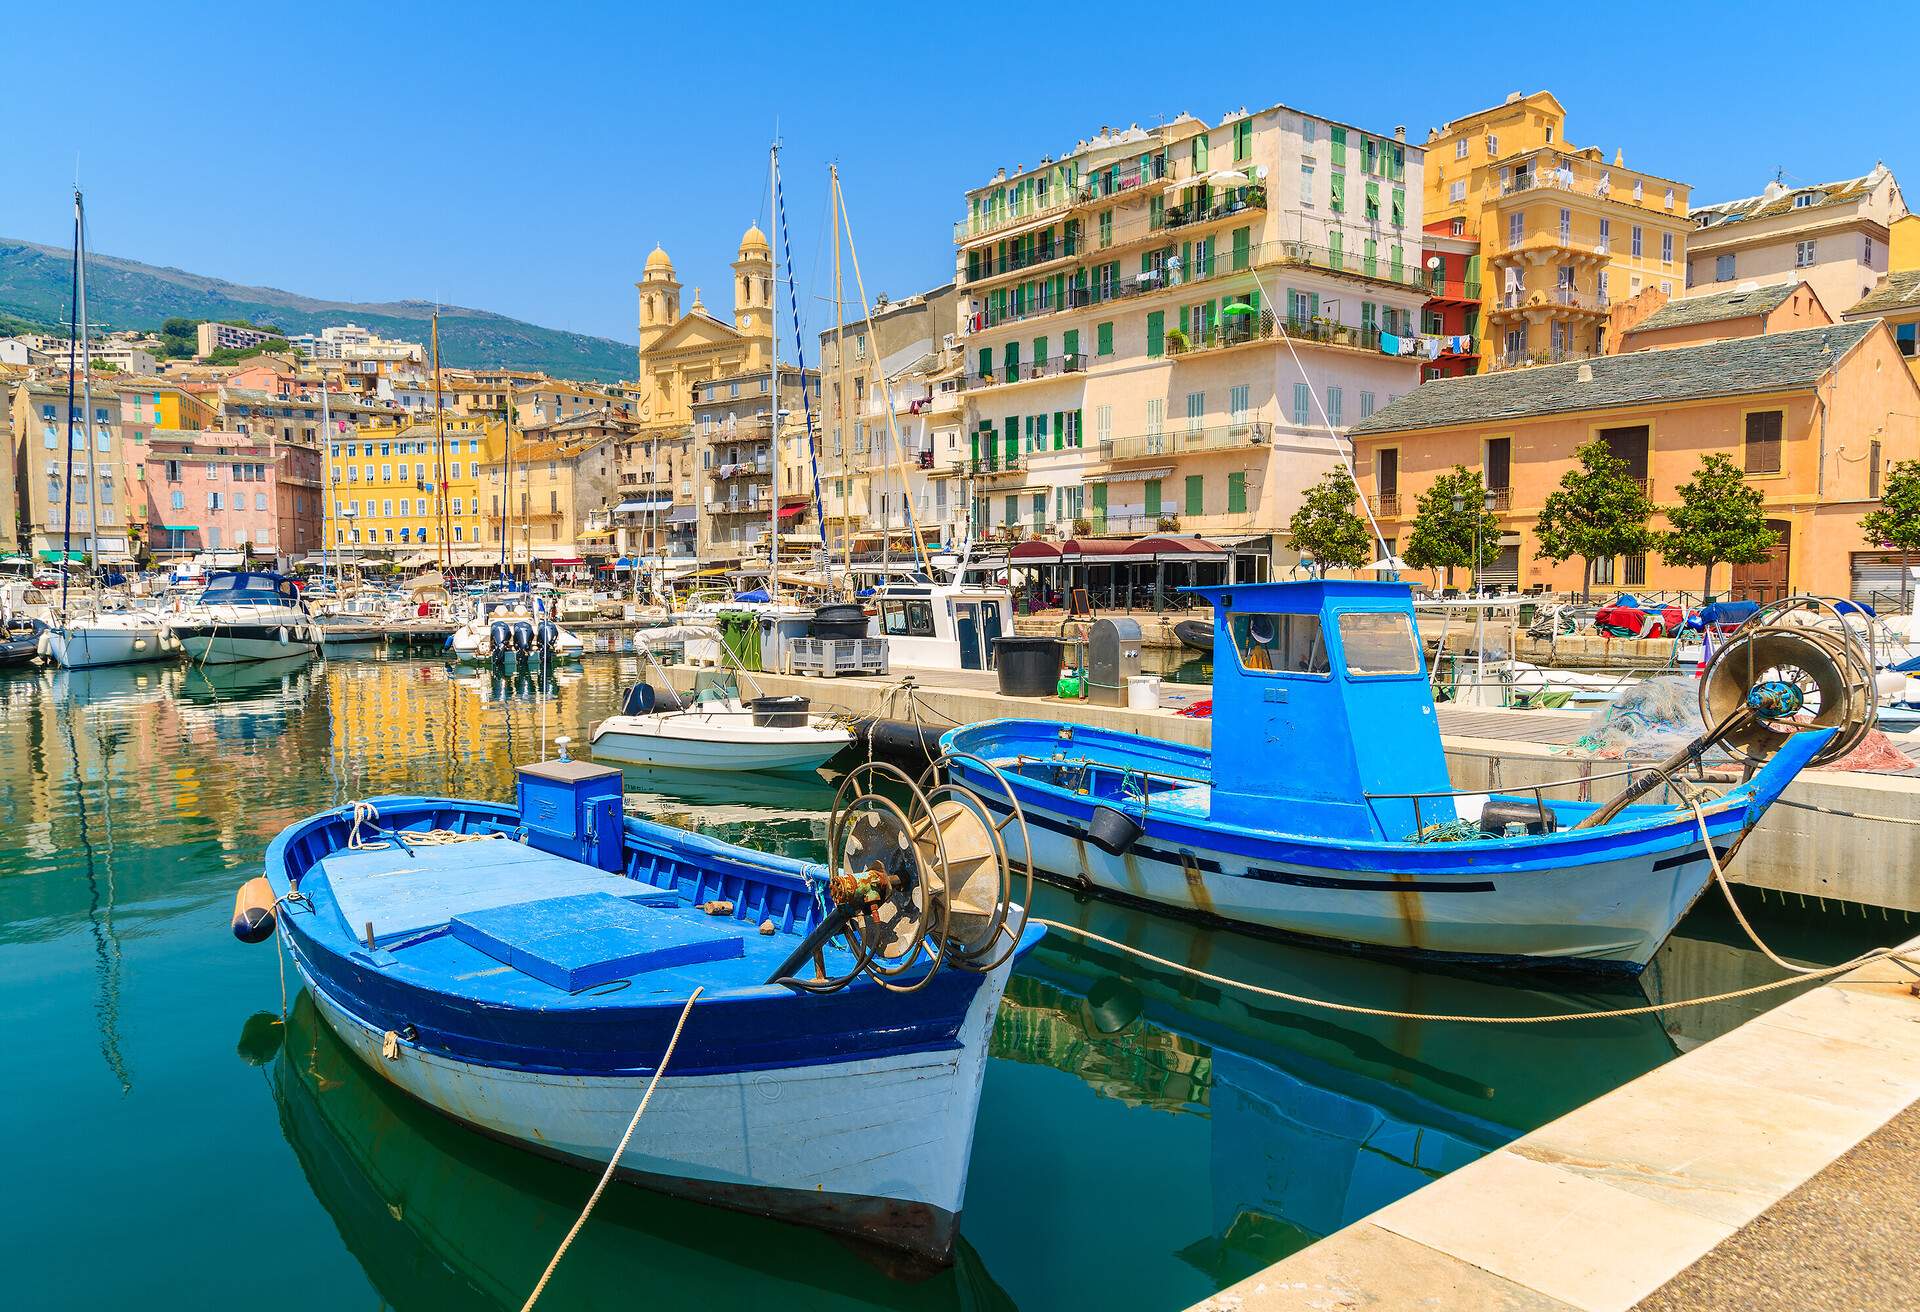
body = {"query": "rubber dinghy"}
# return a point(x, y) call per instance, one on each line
point(522, 968)
point(1325, 810)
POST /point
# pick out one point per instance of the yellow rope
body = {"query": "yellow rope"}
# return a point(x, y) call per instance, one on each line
point(614, 1161)
point(1390, 1014)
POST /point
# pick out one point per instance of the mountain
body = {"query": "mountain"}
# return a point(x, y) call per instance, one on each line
point(35, 282)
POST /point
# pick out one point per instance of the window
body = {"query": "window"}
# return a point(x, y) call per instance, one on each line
point(1723, 267)
point(1103, 338)
point(1566, 226)
point(1196, 494)
point(259, 500)
point(1374, 645)
point(1493, 145)
point(1460, 148)
point(1803, 254)
point(1106, 228)
point(1606, 236)
point(1456, 193)
point(1637, 235)
point(1306, 186)
point(1156, 333)
point(1666, 248)
point(1237, 492)
point(1302, 404)
point(1280, 644)
point(1763, 441)
point(179, 501)
point(1336, 402)
point(1366, 405)
point(1636, 570)
point(914, 619)
point(1196, 411)
point(1237, 398)
point(1516, 227)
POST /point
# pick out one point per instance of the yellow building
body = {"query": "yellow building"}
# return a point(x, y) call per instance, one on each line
point(149, 403)
point(543, 494)
point(1897, 297)
point(1563, 234)
point(388, 496)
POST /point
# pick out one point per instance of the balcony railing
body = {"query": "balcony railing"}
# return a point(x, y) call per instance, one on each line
point(1523, 359)
point(1119, 179)
point(1499, 498)
point(1239, 200)
point(1454, 289)
point(1188, 441)
point(1556, 173)
point(1028, 370)
point(1385, 503)
point(740, 469)
point(1236, 330)
point(1566, 297)
point(992, 466)
point(1057, 201)
point(1027, 258)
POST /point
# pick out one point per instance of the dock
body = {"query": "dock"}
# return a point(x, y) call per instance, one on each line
point(1874, 817)
point(1775, 1166)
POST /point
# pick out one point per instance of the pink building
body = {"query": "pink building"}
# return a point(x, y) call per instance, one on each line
point(224, 493)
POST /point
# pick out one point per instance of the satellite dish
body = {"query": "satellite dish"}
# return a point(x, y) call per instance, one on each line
point(1433, 262)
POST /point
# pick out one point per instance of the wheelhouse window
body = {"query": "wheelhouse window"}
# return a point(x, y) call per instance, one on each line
point(1377, 644)
point(906, 619)
point(1285, 644)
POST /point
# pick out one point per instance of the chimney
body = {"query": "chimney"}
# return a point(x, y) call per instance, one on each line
point(1400, 132)
point(1586, 373)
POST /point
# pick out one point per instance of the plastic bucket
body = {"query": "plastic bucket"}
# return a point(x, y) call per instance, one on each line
point(840, 620)
point(1143, 692)
point(1113, 832)
point(1028, 667)
point(780, 712)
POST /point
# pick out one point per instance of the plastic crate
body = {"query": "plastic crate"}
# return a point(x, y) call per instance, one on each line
point(832, 657)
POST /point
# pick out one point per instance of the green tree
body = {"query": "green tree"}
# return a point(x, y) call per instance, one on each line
point(1443, 536)
point(1896, 523)
point(1325, 528)
point(1599, 511)
point(1719, 519)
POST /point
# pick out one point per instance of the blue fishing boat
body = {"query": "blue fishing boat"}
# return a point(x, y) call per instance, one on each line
point(1325, 809)
point(522, 968)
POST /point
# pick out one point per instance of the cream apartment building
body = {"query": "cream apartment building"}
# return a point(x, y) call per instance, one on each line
point(1832, 236)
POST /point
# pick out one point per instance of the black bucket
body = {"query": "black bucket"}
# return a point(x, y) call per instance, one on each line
point(841, 620)
point(1029, 667)
point(1113, 832)
point(780, 712)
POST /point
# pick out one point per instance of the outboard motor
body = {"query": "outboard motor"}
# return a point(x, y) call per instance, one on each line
point(522, 637)
point(549, 638)
point(640, 700)
point(499, 638)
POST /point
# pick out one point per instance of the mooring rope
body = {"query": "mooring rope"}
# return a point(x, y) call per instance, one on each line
point(367, 814)
point(1845, 814)
point(618, 1153)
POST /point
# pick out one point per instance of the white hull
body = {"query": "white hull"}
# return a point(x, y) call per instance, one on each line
point(727, 741)
point(1617, 912)
point(220, 649)
point(888, 1136)
point(86, 645)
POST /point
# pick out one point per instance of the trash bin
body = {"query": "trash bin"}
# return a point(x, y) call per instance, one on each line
point(1029, 667)
point(780, 712)
point(1143, 692)
point(841, 619)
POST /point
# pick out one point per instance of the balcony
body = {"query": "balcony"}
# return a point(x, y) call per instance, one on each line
point(742, 469)
point(1384, 503)
point(1499, 498)
point(1187, 442)
point(1552, 298)
point(740, 506)
point(1454, 289)
point(1118, 180)
point(1056, 202)
point(1031, 258)
point(1239, 200)
point(991, 467)
point(1027, 371)
point(1551, 171)
point(1236, 330)
point(1523, 359)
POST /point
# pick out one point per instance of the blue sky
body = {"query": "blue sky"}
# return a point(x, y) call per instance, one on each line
point(525, 159)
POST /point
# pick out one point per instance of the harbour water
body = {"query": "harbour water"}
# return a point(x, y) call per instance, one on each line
point(1143, 1140)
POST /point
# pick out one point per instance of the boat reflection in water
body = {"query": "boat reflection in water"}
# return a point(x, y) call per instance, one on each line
point(441, 1217)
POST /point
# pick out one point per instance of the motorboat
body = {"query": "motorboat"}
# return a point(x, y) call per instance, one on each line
point(109, 638)
point(714, 728)
point(1324, 808)
point(246, 615)
point(20, 642)
point(1195, 635)
point(941, 626)
point(508, 625)
point(818, 1033)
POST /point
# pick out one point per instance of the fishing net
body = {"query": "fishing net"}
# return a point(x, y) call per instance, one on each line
point(1648, 721)
point(1876, 752)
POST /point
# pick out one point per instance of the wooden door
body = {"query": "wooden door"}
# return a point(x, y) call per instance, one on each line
point(1767, 580)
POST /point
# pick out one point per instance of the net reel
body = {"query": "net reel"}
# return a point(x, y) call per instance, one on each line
point(915, 884)
point(1793, 665)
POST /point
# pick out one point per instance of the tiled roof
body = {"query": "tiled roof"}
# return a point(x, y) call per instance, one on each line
point(1742, 302)
point(1742, 365)
point(1780, 200)
point(1896, 292)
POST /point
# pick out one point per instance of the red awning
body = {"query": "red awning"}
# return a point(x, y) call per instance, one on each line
point(1173, 546)
point(790, 512)
point(1034, 551)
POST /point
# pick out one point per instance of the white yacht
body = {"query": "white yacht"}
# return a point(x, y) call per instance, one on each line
point(246, 615)
point(941, 626)
point(108, 638)
point(507, 623)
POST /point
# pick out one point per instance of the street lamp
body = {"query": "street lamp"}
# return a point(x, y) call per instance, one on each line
point(1486, 505)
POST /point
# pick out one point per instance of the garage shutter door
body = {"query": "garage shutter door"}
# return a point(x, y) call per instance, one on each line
point(1876, 580)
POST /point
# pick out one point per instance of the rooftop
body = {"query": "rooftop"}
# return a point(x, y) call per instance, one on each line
point(1777, 198)
point(1741, 302)
point(1773, 363)
point(1897, 291)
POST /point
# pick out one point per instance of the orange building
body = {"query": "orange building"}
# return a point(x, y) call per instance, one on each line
point(1815, 417)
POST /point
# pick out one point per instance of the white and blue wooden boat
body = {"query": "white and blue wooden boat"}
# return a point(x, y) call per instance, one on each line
point(1322, 807)
point(521, 968)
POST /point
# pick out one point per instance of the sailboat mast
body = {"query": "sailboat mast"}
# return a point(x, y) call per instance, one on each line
point(86, 389)
point(843, 437)
point(773, 384)
point(73, 346)
point(506, 495)
point(326, 473)
point(441, 521)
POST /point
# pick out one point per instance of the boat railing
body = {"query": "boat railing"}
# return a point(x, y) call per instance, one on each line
point(1538, 791)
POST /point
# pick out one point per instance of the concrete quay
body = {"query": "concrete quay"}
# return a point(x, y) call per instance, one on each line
point(1794, 850)
point(1775, 1166)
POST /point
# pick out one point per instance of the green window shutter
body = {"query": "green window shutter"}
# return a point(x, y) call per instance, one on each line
point(1059, 429)
point(1196, 494)
point(1339, 181)
point(1370, 258)
point(973, 443)
point(1339, 149)
point(1103, 338)
point(1156, 334)
point(1012, 351)
point(1373, 196)
point(1243, 141)
point(1153, 496)
point(1039, 350)
point(1242, 248)
point(1237, 493)
point(1399, 207)
point(1396, 263)
point(973, 265)
point(1013, 508)
point(1200, 152)
point(1070, 342)
point(1079, 426)
point(1183, 321)
point(1011, 442)
point(1156, 211)
point(1099, 499)
point(986, 362)
point(1336, 241)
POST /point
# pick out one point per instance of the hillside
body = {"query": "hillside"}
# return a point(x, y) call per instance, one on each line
point(35, 283)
